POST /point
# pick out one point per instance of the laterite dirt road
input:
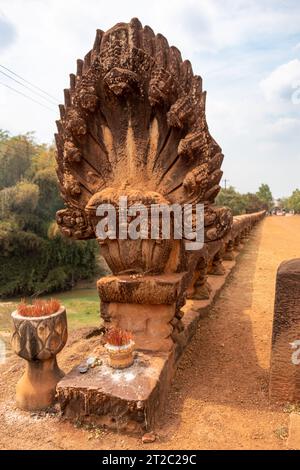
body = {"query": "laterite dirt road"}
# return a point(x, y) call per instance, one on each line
point(219, 398)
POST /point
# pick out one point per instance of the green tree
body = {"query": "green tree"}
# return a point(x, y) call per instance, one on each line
point(231, 198)
point(253, 203)
point(4, 135)
point(15, 158)
point(43, 159)
point(293, 202)
point(7, 196)
point(265, 195)
point(26, 196)
point(34, 257)
point(49, 197)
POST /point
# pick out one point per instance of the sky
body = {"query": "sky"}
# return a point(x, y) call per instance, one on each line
point(246, 51)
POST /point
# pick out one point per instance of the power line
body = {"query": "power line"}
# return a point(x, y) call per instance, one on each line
point(26, 96)
point(27, 87)
point(30, 83)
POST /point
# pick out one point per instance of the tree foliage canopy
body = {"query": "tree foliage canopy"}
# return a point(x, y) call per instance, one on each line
point(293, 202)
point(34, 257)
point(243, 203)
point(265, 195)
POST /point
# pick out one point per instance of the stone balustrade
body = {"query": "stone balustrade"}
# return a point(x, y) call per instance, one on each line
point(131, 401)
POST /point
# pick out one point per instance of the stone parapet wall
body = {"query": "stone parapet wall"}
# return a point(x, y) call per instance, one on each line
point(131, 400)
point(210, 260)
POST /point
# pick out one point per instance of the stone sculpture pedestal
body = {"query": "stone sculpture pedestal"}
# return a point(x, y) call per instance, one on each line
point(38, 340)
point(36, 388)
point(144, 305)
point(127, 400)
point(131, 400)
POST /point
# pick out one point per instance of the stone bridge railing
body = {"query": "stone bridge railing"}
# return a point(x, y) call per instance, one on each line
point(134, 125)
point(242, 225)
point(111, 399)
point(215, 252)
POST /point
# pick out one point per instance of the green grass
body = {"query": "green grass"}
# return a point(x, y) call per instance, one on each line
point(82, 305)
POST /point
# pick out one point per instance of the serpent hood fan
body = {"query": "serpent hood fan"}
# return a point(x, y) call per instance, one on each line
point(134, 124)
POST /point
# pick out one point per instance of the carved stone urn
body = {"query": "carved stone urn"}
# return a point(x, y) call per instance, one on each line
point(38, 340)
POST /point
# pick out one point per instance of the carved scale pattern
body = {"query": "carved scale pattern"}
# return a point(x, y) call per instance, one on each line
point(134, 117)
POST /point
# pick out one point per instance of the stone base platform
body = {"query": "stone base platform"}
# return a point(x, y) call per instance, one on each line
point(125, 400)
point(130, 400)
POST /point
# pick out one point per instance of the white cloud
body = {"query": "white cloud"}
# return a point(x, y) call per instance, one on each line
point(281, 82)
point(283, 127)
point(7, 32)
point(233, 44)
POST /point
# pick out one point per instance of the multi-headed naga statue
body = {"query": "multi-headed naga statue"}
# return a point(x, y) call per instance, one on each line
point(134, 125)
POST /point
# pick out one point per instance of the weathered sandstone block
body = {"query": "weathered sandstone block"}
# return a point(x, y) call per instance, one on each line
point(285, 355)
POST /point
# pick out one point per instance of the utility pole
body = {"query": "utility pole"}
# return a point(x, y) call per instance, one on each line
point(225, 183)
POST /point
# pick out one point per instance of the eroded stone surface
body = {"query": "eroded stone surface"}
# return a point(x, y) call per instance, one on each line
point(159, 289)
point(131, 400)
point(285, 361)
point(134, 125)
point(127, 399)
point(39, 340)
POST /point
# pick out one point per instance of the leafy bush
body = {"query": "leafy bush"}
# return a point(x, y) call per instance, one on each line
point(52, 266)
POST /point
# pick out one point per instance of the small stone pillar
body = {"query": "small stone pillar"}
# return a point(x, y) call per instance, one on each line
point(229, 253)
point(285, 355)
point(216, 267)
point(199, 288)
point(237, 245)
point(145, 305)
point(38, 340)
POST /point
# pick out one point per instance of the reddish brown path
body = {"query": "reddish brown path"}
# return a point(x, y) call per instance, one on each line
point(219, 397)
